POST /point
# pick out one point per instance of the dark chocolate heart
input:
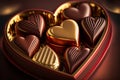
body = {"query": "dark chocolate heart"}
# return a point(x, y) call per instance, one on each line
point(74, 56)
point(34, 25)
point(30, 44)
point(93, 27)
point(77, 13)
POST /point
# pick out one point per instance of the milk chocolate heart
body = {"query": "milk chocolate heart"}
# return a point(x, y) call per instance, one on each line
point(27, 27)
point(39, 21)
point(77, 13)
point(93, 27)
point(34, 25)
point(29, 44)
point(65, 34)
point(74, 56)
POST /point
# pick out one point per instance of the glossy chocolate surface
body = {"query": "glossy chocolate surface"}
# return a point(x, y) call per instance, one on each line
point(78, 12)
point(59, 33)
point(75, 56)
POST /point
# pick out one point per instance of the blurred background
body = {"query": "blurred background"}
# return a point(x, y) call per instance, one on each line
point(109, 69)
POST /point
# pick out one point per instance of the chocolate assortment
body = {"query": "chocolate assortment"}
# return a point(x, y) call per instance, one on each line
point(59, 43)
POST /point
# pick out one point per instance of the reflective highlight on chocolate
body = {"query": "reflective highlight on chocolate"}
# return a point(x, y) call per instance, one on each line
point(93, 27)
point(47, 57)
point(74, 56)
point(29, 44)
point(67, 32)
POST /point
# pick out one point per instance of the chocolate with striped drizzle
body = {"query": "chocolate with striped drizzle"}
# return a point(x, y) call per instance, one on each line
point(46, 56)
point(93, 27)
point(74, 56)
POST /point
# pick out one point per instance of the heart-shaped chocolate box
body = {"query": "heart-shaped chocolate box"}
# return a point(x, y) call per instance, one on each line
point(98, 46)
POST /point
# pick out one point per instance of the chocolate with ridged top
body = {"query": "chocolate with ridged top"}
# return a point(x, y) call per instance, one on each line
point(47, 57)
point(27, 27)
point(34, 25)
point(39, 21)
point(74, 56)
point(30, 44)
point(93, 27)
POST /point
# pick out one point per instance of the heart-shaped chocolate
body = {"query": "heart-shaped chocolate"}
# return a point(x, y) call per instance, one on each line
point(46, 56)
point(74, 56)
point(39, 20)
point(77, 13)
point(34, 25)
point(30, 44)
point(62, 38)
point(27, 27)
point(93, 27)
point(64, 34)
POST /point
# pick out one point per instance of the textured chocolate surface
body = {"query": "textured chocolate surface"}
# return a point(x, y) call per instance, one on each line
point(27, 27)
point(47, 57)
point(59, 36)
point(39, 21)
point(34, 25)
point(93, 27)
point(29, 44)
point(74, 56)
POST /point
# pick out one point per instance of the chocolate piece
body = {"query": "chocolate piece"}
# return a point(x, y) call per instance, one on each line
point(46, 56)
point(34, 25)
point(65, 34)
point(93, 27)
point(39, 21)
point(29, 44)
point(27, 27)
point(77, 13)
point(74, 56)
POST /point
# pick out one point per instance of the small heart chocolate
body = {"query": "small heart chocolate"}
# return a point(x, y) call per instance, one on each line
point(29, 44)
point(65, 34)
point(27, 27)
point(39, 21)
point(93, 27)
point(34, 25)
point(77, 13)
point(46, 56)
point(74, 56)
